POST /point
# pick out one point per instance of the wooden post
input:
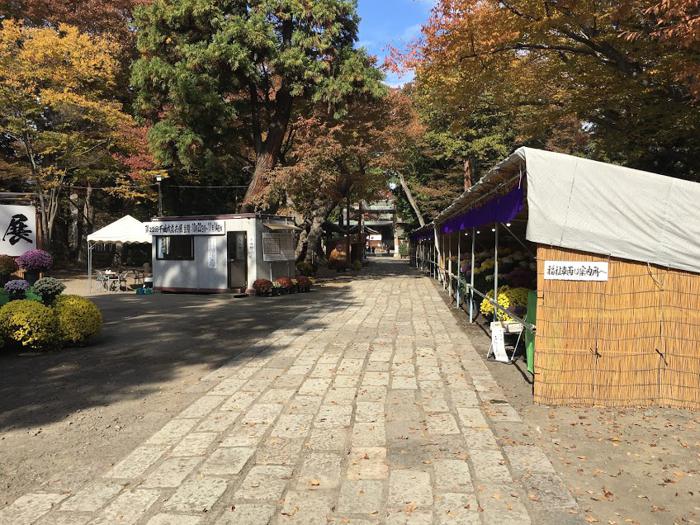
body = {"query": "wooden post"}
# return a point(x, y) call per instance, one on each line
point(495, 272)
point(433, 265)
point(471, 279)
point(459, 268)
point(448, 265)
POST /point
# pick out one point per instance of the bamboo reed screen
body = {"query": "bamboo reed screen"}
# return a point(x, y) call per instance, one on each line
point(631, 341)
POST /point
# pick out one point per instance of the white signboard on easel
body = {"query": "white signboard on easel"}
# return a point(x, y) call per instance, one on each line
point(17, 229)
point(498, 344)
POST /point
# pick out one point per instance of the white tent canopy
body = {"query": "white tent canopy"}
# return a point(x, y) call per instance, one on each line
point(126, 230)
point(602, 208)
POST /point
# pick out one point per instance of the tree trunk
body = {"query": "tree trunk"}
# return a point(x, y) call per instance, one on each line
point(411, 200)
point(269, 152)
point(45, 239)
point(310, 239)
point(74, 225)
point(314, 236)
point(87, 219)
point(300, 252)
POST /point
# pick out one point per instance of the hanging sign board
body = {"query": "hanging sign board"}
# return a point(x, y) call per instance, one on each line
point(375, 237)
point(193, 227)
point(278, 247)
point(211, 252)
point(575, 271)
point(18, 229)
point(498, 344)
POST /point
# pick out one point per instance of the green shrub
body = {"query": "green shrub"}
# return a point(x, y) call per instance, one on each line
point(357, 266)
point(49, 289)
point(403, 249)
point(28, 324)
point(78, 319)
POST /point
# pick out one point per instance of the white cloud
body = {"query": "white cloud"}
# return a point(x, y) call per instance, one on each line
point(411, 32)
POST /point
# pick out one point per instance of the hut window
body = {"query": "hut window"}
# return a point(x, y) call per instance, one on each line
point(175, 248)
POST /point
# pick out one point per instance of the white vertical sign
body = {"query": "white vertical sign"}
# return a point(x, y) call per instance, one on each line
point(498, 344)
point(211, 252)
point(17, 229)
point(575, 271)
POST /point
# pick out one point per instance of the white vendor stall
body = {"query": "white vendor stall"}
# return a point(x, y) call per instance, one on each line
point(220, 253)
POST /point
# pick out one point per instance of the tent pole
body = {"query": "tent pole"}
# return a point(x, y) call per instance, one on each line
point(459, 269)
point(471, 279)
point(527, 248)
point(495, 271)
point(89, 267)
point(448, 265)
point(446, 252)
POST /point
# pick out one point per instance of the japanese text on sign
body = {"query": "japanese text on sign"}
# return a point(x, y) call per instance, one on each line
point(498, 344)
point(186, 228)
point(575, 271)
point(18, 225)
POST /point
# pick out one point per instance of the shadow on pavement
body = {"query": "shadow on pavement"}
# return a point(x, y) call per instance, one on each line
point(144, 341)
point(147, 338)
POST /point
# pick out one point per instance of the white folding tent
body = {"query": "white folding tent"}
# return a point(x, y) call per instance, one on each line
point(126, 230)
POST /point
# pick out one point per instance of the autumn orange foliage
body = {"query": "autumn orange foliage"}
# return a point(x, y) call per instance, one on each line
point(626, 71)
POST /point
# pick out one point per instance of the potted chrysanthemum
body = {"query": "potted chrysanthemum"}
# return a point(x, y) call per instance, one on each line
point(16, 289)
point(34, 263)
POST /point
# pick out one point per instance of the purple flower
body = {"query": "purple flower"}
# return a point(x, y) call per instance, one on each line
point(35, 261)
point(17, 285)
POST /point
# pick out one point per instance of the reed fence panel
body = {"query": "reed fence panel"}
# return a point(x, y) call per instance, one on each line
point(633, 340)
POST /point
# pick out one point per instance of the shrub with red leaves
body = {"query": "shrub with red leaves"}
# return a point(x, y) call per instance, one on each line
point(285, 282)
point(304, 283)
point(262, 286)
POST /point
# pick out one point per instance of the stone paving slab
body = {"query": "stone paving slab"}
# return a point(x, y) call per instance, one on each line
point(382, 413)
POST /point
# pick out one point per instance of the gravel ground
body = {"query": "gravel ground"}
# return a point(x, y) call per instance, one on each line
point(624, 466)
point(65, 417)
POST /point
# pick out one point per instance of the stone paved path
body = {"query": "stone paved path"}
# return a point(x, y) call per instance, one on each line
point(375, 411)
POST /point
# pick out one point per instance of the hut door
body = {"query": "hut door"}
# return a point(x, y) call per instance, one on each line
point(237, 249)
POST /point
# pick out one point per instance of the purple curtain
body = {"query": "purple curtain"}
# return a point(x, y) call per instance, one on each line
point(501, 209)
point(423, 236)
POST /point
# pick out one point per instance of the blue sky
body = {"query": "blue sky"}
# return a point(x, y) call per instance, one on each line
point(391, 22)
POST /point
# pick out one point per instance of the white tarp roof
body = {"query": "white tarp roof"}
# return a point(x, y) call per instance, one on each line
point(601, 208)
point(126, 230)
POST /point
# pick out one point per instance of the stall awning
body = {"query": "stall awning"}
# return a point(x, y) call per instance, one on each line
point(126, 230)
point(581, 204)
point(280, 226)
